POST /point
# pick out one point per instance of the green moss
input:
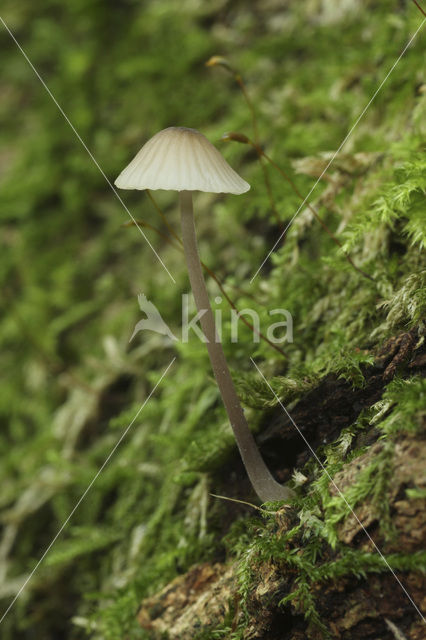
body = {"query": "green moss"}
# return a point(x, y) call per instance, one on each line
point(70, 276)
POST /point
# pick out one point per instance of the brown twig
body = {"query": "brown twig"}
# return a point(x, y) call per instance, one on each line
point(240, 82)
point(270, 194)
point(419, 7)
point(223, 62)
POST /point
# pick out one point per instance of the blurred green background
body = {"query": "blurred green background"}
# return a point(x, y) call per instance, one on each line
point(70, 271)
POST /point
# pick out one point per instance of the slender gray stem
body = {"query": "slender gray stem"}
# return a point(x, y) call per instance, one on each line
point(263, 483)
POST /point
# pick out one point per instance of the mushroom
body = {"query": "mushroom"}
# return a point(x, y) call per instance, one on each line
point(184, 160)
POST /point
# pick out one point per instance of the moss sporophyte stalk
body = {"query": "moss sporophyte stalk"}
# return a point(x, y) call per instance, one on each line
point(182, 159)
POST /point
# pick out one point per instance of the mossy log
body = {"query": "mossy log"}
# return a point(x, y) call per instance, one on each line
point(369, 605)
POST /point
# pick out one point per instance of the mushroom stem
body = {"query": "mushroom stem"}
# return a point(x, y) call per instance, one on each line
point(263, 483)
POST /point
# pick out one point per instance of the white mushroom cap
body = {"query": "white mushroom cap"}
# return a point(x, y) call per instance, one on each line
point(181, 159)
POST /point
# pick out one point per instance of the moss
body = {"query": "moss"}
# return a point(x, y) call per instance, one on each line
point(71, 274)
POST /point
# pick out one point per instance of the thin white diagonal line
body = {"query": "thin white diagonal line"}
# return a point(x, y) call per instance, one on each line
point(117, 195)
point(341, 494)
point(342, 144)
point(80, 500)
